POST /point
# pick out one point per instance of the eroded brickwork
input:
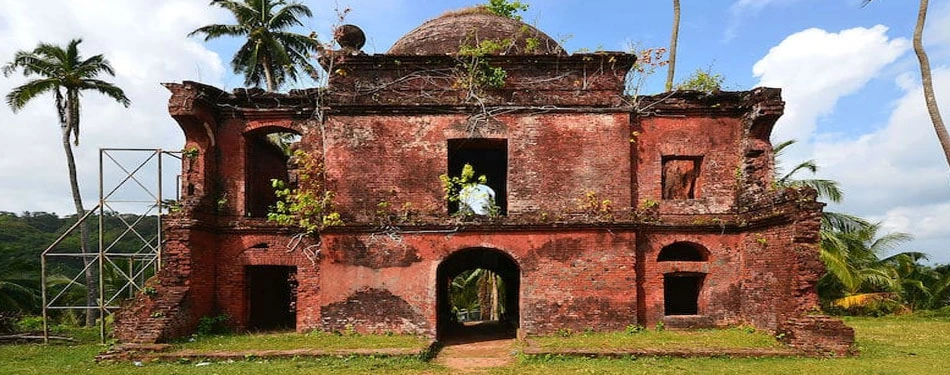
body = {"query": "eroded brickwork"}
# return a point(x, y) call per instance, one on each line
point(595, 191)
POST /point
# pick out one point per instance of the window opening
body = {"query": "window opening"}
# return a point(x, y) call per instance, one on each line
point(488, 157)
point(267, 157)
point(681, 176)
point(682, 252)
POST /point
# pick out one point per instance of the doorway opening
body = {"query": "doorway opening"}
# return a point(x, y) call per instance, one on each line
point(477, 296)
point(681, 293)
point(271, 297)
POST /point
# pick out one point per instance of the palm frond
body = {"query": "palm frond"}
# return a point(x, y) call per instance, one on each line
point(20, 95)
point(288, 16)
point(863, 300)
point(842, 222)
point(106, 89)
point(217, 31)
point(93, 66)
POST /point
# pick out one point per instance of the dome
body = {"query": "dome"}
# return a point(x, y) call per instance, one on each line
point(446, 34)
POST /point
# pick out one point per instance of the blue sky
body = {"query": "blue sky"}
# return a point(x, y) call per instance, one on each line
point(848, 73)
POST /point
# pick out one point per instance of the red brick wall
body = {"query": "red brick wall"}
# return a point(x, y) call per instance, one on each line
point(568, 280)
point(716, 139)
point(398, 159)
point(720, 297)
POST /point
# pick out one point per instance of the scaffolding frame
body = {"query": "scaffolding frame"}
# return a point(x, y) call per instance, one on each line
point(141, 263)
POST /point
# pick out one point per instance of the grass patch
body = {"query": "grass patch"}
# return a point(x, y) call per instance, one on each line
point(889, 345)
point(734, 338)
point(313, 340)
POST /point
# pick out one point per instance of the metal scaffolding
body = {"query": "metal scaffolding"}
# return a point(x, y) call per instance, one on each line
point(126, 257)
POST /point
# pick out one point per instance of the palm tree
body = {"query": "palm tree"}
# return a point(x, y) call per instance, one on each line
point(858, 278)
point(826, 188)
point(18, 290)
point(673, 39)
point(270, 55)
point(65, 74)
point(927, 80)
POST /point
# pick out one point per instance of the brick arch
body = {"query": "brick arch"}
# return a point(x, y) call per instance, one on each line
point(495, 260)
point(256, 128)
point(683, 251)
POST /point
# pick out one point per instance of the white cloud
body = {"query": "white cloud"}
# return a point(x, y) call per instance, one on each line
point(146, 43)
point(815, 68)
point(898, 174)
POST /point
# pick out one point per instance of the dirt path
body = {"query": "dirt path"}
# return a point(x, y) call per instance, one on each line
point(476, 356)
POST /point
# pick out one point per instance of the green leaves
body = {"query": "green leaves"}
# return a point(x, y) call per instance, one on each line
point(309, 205)
point(507, 9)
point(271, 55)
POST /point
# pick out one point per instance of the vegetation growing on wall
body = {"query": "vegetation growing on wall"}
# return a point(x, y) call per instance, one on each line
point(309, 205)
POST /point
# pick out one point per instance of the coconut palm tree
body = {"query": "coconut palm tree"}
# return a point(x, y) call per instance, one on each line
point(856, 275)
point(827, 189)
point(63, 73)
point(927, 80)
point(271, 55)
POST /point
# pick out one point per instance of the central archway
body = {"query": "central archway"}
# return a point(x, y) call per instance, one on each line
point(498, 274)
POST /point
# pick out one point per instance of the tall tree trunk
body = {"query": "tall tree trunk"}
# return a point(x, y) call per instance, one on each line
point(673, 40)
point(268, 74)
point(927, 82)
point(92, 281)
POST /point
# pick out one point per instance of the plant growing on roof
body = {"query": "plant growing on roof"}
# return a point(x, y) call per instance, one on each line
point(473, 71)
point(505, 8)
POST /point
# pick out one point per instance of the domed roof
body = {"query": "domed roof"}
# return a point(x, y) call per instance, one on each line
point(446, 34)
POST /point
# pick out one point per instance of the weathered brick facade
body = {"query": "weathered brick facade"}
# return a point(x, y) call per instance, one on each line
point(687, 176)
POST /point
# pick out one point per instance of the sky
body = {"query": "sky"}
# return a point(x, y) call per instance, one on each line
point(848, 74)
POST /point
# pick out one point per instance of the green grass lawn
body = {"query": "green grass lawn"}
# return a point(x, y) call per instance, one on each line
point(314, 340)
point(890, 345)
point(667, 339)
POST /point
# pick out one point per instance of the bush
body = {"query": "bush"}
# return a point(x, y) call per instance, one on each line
point(8, 321)
point(213, 325)
point(30, 324)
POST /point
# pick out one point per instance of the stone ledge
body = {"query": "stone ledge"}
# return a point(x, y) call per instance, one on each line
point(532, 349)
point(159, 352)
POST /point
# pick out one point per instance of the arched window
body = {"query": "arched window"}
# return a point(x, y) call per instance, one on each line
point(683, 252)
point(267, 153)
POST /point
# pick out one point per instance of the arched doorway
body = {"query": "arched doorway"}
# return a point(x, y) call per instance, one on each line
point(491, 311)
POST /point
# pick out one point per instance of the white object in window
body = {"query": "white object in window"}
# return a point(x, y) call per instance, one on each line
point(478, 197)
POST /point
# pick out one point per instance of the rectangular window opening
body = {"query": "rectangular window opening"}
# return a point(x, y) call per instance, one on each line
point(488, 157)
point(681, 177)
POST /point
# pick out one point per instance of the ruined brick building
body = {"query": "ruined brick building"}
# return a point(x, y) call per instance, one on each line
point(612, 210)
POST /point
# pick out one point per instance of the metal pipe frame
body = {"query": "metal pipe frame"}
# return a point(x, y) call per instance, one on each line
point(148, 256)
